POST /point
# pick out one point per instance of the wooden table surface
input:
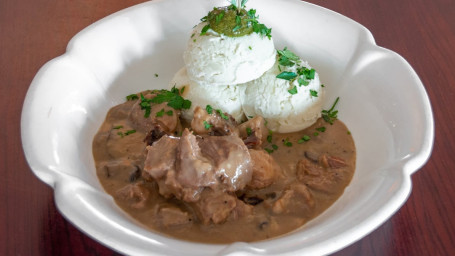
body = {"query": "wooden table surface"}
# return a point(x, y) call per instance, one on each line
point(35, 31)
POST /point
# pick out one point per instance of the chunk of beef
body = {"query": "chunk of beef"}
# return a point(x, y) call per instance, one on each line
point(160, 158)
point(296, 199)
point(230, 158)
point(184, 166)
point(120, 170)
point(264, 168)
point(213, 124)
point(135, 195)
point(253, 132)
point(215, 206)
point(171, 216)
point(194, 171)
point(325, 175)
point(160, 114)
point(154, 134)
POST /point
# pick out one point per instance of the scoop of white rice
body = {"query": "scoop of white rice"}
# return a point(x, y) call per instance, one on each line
point(216, 59)
point(223, 97)
point(269, 97)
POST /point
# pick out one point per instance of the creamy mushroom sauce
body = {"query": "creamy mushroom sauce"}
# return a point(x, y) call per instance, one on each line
point(273, 194)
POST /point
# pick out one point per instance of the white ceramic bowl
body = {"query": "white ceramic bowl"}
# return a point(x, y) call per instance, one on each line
point(382, 101)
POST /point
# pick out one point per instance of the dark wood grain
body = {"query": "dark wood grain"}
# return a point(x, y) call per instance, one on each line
point(35, 31)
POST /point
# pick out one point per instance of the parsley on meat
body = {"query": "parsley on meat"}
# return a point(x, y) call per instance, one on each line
point(209, 109)
point(172, 97)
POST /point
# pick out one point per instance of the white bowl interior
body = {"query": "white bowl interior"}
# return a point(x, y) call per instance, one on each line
point(382, 101)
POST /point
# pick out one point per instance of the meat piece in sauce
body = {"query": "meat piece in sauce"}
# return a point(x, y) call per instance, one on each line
point(160, 158)
point(167, 119)
point(216, 123)
point(265, 169)
point(135, 195)
point(253, 132)
point(325, 174)
point(215, 206)
point(221, 163)
point(231, 159)
point(297, 199)
point(171, 216)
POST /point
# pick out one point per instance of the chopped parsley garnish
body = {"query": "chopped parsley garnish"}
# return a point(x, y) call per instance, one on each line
point(287, 75)
point(287, 143)
point(270, 151)
point(225, 117)
point(145, 105)
point(156, 75)
point(303, 139)
point(269, 137)
point(129, 132)
point(293, 90)
point(121, 134)
point(172, 97)
point(160, 113)
point(132, 97)
point(303, 75)
point(209, 109)
point(315, 133)
point(287, 58)
point(207, 125)
point(330, 115)
point(242, 4)
point(313, 93)
point(117, 127)
point(321, 129)
point(275, 147)
point(249, 131)
point(205, 29)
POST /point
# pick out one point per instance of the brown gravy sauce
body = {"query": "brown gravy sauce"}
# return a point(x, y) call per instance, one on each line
point(312, 176)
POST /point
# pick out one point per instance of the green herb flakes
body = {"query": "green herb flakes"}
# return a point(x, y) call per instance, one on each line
point(205, 29)
point(130, 132)
point(313, 93)
point(132, 97)
point(222, 114)
point(249, 131)
point(330, 115)
point(304, 139)
point(287, 143)
point(270, 151)
point(286, 75)
point(321, 129)
point(207, 125)
point(209, 109)
point(293, 90)
point(160, 113)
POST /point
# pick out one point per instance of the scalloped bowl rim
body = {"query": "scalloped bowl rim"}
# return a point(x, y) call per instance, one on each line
point(81, 199)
